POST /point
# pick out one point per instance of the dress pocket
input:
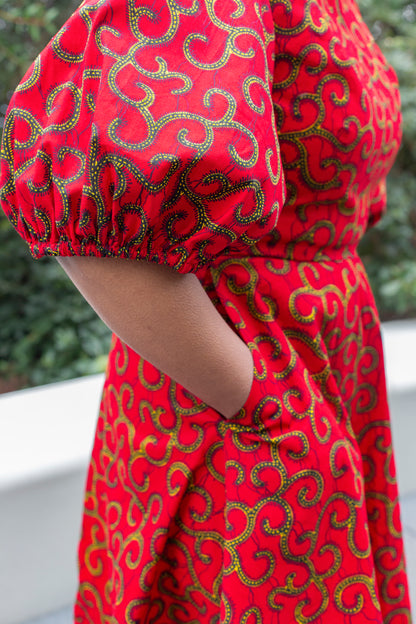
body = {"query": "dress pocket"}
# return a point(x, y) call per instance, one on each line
point(263, 402)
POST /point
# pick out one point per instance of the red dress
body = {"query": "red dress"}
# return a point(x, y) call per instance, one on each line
point(151, 129)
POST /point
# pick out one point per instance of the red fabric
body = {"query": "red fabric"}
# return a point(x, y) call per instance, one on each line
point(289, 512)
point(133, 135)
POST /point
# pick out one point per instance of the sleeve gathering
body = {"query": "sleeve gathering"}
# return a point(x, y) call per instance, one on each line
point(145, 129)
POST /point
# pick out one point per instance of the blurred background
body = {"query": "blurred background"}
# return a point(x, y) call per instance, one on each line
point(48, 333)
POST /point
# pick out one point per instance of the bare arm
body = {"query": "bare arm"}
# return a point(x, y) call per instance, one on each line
point(168, 318)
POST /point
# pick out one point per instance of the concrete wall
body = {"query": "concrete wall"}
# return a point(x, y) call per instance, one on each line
point(46, 438)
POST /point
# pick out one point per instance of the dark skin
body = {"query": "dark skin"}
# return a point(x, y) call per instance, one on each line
point(168, 318)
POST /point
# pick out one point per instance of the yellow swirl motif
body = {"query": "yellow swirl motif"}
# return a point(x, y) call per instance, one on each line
point(172, 131)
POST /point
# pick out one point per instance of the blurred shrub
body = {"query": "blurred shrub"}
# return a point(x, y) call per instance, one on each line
point(48, 332)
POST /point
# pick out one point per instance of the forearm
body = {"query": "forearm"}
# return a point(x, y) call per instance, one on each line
point(169, 320)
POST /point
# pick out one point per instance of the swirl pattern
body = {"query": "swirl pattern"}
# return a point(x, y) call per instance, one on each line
point(247, 142)
point(158, 67)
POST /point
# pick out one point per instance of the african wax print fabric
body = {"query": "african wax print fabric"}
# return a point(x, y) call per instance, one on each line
point(248, 143)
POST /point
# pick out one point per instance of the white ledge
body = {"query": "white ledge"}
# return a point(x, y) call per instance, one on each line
point(47, 430)
point(399, 341)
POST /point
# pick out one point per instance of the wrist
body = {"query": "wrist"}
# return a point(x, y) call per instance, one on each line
point(231, 401)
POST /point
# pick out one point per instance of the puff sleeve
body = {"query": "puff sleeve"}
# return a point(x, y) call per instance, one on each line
point(145, 129)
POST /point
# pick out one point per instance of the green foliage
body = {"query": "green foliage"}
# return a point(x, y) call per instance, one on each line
point(48, 332)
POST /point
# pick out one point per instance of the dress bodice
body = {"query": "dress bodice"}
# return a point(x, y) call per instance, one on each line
point(337, 109)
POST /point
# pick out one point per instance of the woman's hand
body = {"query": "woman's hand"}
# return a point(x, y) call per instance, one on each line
point(168, 319)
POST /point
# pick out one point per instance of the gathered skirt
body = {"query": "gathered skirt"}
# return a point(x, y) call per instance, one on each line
point(287, 513)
